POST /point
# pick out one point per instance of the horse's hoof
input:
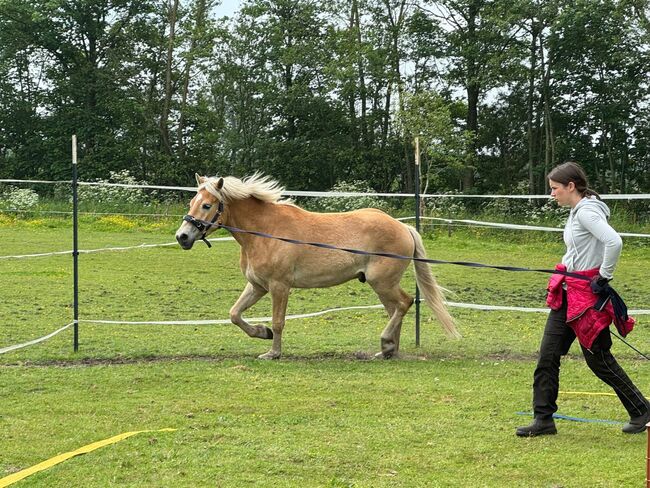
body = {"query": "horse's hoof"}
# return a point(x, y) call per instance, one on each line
point(388, 349)
point(269, 355)
point(384, 355)
point(262, 332)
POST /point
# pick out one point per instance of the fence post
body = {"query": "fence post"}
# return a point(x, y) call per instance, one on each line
point(75, 246)
point(417, 226)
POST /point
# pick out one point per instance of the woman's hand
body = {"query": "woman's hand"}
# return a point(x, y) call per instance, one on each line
point(599, 284)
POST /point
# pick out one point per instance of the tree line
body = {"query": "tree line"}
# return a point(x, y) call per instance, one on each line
point(318, 92)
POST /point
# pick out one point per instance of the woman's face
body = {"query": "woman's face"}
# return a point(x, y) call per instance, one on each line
point(563, 194)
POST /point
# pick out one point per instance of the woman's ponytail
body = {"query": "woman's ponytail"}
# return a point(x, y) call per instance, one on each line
point(588, 192)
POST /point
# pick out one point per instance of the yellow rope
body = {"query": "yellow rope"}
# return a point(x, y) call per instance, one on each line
point(587, 393)
point(65, 456)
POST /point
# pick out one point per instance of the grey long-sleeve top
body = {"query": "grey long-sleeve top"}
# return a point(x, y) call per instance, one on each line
point(591, 242)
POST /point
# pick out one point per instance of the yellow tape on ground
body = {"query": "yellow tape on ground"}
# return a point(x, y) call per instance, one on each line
point(586, 393)
point(64, 457)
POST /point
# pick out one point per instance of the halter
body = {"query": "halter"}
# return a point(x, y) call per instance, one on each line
point(204, 226)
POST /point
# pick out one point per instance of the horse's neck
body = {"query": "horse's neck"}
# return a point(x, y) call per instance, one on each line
point(250, 214)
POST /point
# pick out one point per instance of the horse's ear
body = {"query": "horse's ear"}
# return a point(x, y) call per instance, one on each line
point(199, 179)
point(220, 184)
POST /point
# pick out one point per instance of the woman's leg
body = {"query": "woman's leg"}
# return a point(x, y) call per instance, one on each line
point(604, 365)
point(556, 342)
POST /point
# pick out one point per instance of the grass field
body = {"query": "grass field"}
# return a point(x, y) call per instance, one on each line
point(443, 414)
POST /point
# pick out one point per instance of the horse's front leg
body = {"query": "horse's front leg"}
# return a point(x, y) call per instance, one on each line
point(249, 297)
point(280, 297)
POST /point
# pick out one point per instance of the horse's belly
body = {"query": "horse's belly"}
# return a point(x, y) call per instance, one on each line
point(324, 278)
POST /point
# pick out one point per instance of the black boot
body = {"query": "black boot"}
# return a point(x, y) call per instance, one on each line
point(538, 427)
point(636, 425)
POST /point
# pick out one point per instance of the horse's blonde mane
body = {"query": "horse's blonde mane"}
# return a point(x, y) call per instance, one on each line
point(257, 186)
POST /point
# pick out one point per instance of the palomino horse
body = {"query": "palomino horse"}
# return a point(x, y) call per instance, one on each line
point(273, 266)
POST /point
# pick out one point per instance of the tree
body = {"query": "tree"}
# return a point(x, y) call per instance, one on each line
point(85, 50)
point(427, 116)
point(478, 43)
point(600, 84)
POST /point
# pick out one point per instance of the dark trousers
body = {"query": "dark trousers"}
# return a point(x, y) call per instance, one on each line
point(557, 340)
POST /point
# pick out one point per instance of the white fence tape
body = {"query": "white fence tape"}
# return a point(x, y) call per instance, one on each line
point(97, 183)
point(22, 256)
point(90, 251)
point(217, 239)
point(35, 341)
point(490, 224)
point(473, 306)
point(227, 321)
point(510, 226)
point(522, 309)
point(47, 182)
point(126, 185)
point(621, 196)
point(61, 212)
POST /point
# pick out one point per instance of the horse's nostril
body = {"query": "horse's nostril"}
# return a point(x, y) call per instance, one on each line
point(182, 237)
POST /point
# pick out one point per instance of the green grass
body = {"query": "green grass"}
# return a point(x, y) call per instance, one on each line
point(442, 415)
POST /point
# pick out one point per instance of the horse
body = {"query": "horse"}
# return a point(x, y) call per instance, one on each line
point(274, 266)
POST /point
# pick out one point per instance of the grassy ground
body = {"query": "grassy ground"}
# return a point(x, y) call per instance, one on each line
point(442, 415)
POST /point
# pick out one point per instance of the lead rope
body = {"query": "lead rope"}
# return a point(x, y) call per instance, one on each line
point(207, 225)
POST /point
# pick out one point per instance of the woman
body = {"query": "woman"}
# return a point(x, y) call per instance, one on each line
point(581, 308)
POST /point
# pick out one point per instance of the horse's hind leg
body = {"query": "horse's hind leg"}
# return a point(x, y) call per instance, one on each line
point(396, 302)
point(249, 297)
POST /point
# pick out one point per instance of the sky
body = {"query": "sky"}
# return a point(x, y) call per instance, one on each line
point(227, 8)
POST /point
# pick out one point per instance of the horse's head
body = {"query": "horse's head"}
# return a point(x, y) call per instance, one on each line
point(205, 209)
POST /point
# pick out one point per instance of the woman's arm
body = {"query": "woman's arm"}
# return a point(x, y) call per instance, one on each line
point(598, 226)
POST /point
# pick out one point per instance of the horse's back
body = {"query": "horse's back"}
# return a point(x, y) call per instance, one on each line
point(363, 214)
point(368, 229)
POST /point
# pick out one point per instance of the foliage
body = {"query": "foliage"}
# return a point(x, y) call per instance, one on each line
point(316, 92)
point(116, 196)
point(447, 207)
point(18, 198)
point(427, 116)
point(347, 204)
point(526, 210)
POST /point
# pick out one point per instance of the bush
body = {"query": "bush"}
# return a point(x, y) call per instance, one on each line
point(446, 207)
point(18, 198)
point(347, 204)
point(114, 196)
point(527, 211)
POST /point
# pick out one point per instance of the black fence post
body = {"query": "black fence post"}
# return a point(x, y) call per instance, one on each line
point(417, 227)
point(75, 245)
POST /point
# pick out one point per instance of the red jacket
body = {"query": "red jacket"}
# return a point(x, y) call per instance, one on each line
point(586, 321)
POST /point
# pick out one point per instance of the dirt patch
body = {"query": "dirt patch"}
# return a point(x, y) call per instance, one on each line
point(355, 356)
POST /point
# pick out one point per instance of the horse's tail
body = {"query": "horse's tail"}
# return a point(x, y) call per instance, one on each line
point(429, 288)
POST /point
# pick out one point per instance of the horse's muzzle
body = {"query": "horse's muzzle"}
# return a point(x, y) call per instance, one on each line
point(185, 240)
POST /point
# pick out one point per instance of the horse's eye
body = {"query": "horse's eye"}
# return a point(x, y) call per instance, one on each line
point(207, 206)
